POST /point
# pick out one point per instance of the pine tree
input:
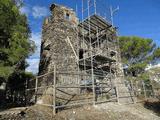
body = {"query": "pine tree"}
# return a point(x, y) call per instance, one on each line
point(137, 52)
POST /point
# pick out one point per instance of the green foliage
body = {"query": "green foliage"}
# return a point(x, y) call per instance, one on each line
point(135, 48)
point(5, 71)
point(156, 53)
point(137, 52)
point(17, 80)
point(144, 77)
point(138, 67)
point(15, 45)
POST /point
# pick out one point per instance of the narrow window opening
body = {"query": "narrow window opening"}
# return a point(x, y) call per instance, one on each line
point(81, 54)
point(67, 16)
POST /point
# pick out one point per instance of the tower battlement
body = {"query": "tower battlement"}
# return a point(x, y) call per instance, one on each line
point(61, 13)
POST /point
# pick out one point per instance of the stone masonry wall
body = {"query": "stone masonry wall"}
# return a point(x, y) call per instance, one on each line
point(55, 49)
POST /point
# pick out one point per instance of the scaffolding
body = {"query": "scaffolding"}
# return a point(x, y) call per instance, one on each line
point(97, 48)
point(97, 59)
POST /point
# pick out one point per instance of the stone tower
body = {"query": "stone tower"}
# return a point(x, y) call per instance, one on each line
point(55, 47)
point(88, 49)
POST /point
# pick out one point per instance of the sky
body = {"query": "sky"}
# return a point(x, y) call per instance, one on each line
point(134, 18)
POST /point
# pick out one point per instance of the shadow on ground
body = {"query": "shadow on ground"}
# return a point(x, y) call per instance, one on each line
point(153, 105)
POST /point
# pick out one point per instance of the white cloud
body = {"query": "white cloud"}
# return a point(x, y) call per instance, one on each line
point(33, 60)
point(33, 65)
point(35, 11)
point(25, 10)
point(39, 11)
point(36, 37)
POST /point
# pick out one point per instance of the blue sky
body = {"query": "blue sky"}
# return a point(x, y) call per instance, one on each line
point(134, 18)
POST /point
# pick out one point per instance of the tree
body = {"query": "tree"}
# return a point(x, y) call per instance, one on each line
point(15, 45)
point(137, 52)
point(16, 85)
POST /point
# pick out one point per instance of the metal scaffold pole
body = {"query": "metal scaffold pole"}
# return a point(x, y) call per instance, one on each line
point(83, 36)
point(97, 38)
point(144, 90)
point(54, 91)
point(36, 89)
point(95, 7)
point(78, 77)
point(112, 11)
point(83, 41)
point(92, 71)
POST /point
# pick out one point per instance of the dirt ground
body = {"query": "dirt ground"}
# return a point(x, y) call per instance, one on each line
point(106, 111)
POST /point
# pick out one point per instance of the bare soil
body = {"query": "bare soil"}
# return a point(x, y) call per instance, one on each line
point(106, 111)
